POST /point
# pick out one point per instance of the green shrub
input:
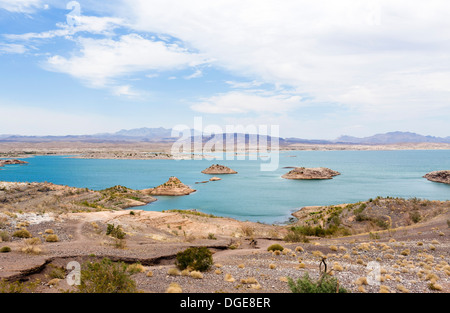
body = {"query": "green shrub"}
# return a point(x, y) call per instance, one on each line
point(196, 258)
point(22, 233)
point(57, 272)
point(275, 246)
point(17, 286)
point(294, 235)
point(5, 249)
point(326, 284)
point(415, 216)
point(106, 277)
point(115, 231)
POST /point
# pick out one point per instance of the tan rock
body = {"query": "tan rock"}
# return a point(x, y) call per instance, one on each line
point(310, 173)
point(215, 178)
point(218, 169)
point(173, 187)
point(439, 177)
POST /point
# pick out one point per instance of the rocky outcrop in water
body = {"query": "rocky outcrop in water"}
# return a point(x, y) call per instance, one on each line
point(217, 169)
point(439, 177)
point(310, 173)
point(11, 162)
point(173, 187)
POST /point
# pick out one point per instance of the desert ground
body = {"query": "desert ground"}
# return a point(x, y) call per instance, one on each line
point(381, 245)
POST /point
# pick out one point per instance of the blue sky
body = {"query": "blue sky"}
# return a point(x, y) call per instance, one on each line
point(318, 69)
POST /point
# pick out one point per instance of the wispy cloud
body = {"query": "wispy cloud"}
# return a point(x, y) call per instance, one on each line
point(11, 48)
point(242, 102)
point(21, 6)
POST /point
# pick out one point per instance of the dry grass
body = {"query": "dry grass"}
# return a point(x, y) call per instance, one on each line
point(229, 278)
point(52, 238)
point(173, 271)
point(174, 288)
point(196, 275)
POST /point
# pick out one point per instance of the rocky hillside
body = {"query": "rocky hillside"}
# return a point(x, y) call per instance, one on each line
point(47, 197)
point(372, 215)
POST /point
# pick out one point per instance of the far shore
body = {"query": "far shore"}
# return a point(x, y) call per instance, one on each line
point(155, 151)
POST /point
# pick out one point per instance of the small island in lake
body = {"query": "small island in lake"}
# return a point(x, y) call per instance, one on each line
point(218, 169)
point(173, 187)
point(439, 176)
point(11, 162)
point(311, 173)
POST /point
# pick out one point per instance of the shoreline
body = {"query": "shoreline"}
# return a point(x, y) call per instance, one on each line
point(148, 151)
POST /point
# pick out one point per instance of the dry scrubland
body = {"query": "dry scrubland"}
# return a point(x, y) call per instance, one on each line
point(43, 227)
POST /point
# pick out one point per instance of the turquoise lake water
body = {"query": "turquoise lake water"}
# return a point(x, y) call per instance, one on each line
point(253, 194)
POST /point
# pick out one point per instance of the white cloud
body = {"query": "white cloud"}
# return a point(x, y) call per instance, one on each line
point(356, 53)
point(20, 6)
point(242, 102)
point(11, 48)
point(196, 74)
point(89, 24)
point(101, 61)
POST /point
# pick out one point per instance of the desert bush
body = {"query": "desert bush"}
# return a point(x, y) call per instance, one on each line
point(415, 216)
point(17, 286)
point(57, 272)
point(325, 284)
point(275, 247)
point(22, 233)
point(4, 236)
point(115, 231)
point(106, 276)
point(196, 258)
point(174, 288)
point(295, 235)
point(52, 238)
point(136, 268)
point(5, 249)
point(196, 275)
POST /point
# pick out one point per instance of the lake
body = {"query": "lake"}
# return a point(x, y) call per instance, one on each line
point(253, 194)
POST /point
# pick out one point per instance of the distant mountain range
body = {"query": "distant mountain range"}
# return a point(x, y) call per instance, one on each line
point(164, 135)
point(393, 137)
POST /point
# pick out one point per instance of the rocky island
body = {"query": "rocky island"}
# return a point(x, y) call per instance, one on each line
point(173, 187)
point(11, 162)
point(217, 169)
point(439, 176)
point(310, 173)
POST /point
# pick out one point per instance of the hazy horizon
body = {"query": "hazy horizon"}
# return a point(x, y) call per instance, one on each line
point(318, 69)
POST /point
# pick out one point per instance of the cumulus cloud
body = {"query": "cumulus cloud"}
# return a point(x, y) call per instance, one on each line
point(356, 53)
point(101, 61)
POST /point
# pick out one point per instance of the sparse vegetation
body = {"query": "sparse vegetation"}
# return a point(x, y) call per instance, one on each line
point(196, 258)
point(22, 233)
point(115, 231)
point(17, 286)
point(325, 284)
point(106, 276)
point(275, 247)
point(5, 249)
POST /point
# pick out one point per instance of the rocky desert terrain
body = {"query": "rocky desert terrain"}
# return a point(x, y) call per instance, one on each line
point(380, 245)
